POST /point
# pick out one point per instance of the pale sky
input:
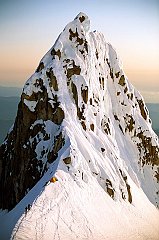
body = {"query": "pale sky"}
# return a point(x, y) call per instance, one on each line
point(29, 28)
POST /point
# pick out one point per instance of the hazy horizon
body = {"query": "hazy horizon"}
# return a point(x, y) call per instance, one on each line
point(29, 29)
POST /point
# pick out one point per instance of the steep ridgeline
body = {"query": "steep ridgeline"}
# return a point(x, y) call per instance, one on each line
point(79, 110)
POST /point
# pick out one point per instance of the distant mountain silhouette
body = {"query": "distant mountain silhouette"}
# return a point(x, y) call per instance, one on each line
point(10, 91)
point(8, 109)
point(154, 115)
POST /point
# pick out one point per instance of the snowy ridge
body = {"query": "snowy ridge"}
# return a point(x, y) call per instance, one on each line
point(91, 131)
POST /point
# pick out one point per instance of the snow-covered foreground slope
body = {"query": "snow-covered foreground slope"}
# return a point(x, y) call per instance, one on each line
point(68, 209)
point(81, 122)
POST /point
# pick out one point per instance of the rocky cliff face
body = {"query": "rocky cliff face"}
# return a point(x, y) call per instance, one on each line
point(20, 167)
point(79, 98)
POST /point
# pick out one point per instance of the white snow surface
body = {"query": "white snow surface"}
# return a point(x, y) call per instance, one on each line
point(77, 205)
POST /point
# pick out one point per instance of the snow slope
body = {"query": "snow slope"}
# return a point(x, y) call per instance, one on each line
point(107, 163)
point(71, 210)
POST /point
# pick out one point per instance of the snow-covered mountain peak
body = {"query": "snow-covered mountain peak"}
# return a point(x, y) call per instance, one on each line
point(82, 126)
point(84, 21)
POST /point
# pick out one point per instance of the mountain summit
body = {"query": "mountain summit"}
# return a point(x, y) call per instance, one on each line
point(81, 160)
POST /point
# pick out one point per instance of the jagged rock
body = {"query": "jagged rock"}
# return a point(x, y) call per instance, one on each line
point(40, 67)
point(53, 80)
point(142, 108)
point(102, 149)
point(67, 160)
point(74, 70)
point(92, 127)
point(122, 81)
point(54, 52)
point(110, 189)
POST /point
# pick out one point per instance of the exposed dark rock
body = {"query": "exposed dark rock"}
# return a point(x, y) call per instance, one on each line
point(151, 153)
point(105, 125)
point(79, 41)
point(59, 142)
point(116, 117)
point(122, 81)
point(107, 129)
point(67, 60)
point(92, 127)
point(131, 96)
point(40, 67)
point(67, 160)
point(82, 52)
point(125, 90)
point(121, 128)
point(83, 125)
point(109, 189)
point(111, 69)
point(101, 81)
point(58, 116)
point(127, 186)
point(123, 195)
point(96, 54)
point(84, 93)
point(111, 74)
point(56, 53)
point(75, 35)
point(75, 96)
point(123, 103)
point(20, 168)
point(75, 93)
point(117, 74)
point(74, 70)
point(38, 83)
point(129, 193)
point(142, 108)
point(19, 165)
point(108, 62)
point(86, 46)
point(52, 78)
point(80, 112)
point(130, 123)
point(82, 18)
point(157, 175)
